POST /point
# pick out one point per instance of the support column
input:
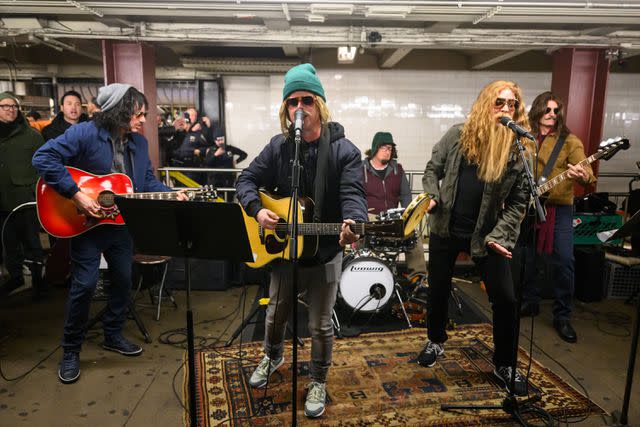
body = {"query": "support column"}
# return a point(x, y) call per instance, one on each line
point(135, 64)
point(580, 79)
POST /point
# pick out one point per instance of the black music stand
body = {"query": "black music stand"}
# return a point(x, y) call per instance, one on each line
point(630, 227)
point(189, 230)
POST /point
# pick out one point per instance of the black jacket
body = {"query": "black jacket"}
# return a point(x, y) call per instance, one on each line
point(343, 196)
point(59, 125)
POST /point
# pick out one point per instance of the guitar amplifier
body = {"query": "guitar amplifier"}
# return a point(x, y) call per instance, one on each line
point(589, 273)
point(206, 275)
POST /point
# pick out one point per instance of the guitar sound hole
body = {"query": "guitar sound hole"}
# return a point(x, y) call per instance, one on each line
point(106, 199)
point(281, 229)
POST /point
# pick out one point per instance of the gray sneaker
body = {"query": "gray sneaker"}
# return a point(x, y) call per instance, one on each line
point(265, 368)
point(316, 397)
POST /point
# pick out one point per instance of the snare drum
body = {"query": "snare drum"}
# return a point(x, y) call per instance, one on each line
point(366, 283)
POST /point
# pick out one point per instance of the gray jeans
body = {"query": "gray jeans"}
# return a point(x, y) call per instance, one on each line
point(321, 286)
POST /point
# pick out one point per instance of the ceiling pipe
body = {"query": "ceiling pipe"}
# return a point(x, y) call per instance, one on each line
point(60, 46)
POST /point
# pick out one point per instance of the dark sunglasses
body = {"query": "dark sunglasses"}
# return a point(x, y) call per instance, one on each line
point(512, 103)
point(140, 114)
point(306, 100)
point(555, 110)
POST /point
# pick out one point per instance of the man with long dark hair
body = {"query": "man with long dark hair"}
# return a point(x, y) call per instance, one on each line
point(111, 143)
point(475, 180)
point(555, 235)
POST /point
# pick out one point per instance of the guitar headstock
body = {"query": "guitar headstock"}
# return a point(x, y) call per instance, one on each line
point(206, 193)
point(611, 146)
point(389, 228)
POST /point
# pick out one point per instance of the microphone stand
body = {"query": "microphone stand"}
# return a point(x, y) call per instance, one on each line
point(511, 405)
point(296, 169)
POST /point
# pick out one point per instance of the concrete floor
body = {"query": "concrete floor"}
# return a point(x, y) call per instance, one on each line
point(114, 390)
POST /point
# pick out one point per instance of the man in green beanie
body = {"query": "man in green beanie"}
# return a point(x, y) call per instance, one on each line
point(332, 177)
point(386, 186)
point(20, 237)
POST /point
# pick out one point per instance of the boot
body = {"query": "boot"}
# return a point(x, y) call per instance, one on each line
point(40, 288)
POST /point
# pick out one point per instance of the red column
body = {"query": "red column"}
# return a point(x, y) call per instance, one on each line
point(580, 79)
point(135, 64)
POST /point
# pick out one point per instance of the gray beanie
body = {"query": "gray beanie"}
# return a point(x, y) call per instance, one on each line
point(110, 95)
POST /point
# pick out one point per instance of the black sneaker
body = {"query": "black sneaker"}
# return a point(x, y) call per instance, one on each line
point(69, 370)
point(504, 374)
point(430, 354)
point(120, 344)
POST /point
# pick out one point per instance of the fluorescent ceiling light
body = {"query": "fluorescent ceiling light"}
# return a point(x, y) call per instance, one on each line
point(388, 11)
point(315, 18)
point(331, 9)
point(347, 54)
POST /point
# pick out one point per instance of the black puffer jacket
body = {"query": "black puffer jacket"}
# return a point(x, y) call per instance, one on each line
point(343, 196)
point(59, 125)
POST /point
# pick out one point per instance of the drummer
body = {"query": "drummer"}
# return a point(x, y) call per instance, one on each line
point(386, 185)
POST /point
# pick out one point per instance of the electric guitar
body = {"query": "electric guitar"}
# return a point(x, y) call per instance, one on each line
point(606, 151)
point(60, 217)
point(267, 245)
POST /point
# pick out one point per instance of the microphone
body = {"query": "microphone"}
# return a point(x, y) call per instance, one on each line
point(519, 130)
point(298, 120)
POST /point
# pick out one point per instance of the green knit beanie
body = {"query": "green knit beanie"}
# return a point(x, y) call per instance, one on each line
point(381, 138)
point(5, 95)
point(302, 77)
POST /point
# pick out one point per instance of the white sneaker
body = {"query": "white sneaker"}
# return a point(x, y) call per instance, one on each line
point(265, 368)
point(316, 397)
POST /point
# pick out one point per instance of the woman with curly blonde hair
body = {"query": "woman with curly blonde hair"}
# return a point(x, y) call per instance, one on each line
point(475, 179)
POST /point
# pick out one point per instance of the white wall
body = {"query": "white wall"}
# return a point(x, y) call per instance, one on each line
point(417, 107)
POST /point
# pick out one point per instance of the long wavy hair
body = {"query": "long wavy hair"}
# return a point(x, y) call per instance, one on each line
point(285, 122)
point(484, 141)
point(538, 109)
point(118, 117)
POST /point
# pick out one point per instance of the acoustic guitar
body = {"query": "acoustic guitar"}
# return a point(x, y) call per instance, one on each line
point(268, 245)
point(60, 217)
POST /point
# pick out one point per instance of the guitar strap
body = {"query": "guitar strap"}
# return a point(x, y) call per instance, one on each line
point(552, 159)
point(322, 166)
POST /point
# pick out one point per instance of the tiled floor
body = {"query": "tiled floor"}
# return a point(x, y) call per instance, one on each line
point(114, 390)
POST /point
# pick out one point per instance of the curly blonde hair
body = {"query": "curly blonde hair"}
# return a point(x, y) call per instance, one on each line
point(285, 122)
point(485, 142)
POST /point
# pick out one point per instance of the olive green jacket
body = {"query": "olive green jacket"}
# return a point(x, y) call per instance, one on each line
point(17, 175)
point(503, 203)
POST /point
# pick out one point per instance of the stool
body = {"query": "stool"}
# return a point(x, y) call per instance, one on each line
point(154, 260)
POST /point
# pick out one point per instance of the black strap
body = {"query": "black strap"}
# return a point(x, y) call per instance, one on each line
point(552, 159)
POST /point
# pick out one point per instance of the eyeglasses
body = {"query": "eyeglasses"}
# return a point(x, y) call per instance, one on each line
point(555, 110)
point(512, 103)
point(7, 107)
point(306, 100)
point(386, 148)
point(140, 114)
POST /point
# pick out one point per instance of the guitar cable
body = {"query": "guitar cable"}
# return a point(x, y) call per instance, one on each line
point(6, 220)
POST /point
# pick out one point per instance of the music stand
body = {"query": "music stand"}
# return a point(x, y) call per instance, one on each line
point(630, 227)
point(187, 230)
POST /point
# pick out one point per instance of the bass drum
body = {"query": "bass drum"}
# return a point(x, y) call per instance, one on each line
point(366, 284)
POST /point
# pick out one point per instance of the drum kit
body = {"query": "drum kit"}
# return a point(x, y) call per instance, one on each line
point(369, 274)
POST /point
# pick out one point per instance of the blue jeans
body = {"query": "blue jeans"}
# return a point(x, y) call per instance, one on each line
point(562, 267)
point(116, 245)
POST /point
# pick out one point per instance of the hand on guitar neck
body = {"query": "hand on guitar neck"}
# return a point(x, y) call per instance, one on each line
point(268, 219)
point(577, 173)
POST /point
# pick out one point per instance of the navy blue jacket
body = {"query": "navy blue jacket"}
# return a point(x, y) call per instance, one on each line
point(86, 147)
point(344, 196)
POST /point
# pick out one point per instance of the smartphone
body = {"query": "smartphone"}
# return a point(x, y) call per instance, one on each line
point(187, 117)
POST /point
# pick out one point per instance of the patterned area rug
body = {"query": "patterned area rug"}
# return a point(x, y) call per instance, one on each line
point(375, 381)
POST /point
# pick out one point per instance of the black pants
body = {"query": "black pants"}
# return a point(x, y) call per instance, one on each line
point(495, 271)
point(21, 239)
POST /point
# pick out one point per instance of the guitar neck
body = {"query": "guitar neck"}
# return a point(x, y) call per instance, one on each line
point(320, 229)
point(159, 195)
point(547, 186)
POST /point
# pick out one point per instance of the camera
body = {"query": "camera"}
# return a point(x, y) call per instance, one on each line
point(187, 118)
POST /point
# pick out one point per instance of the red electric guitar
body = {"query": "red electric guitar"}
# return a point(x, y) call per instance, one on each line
point(60, 217)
